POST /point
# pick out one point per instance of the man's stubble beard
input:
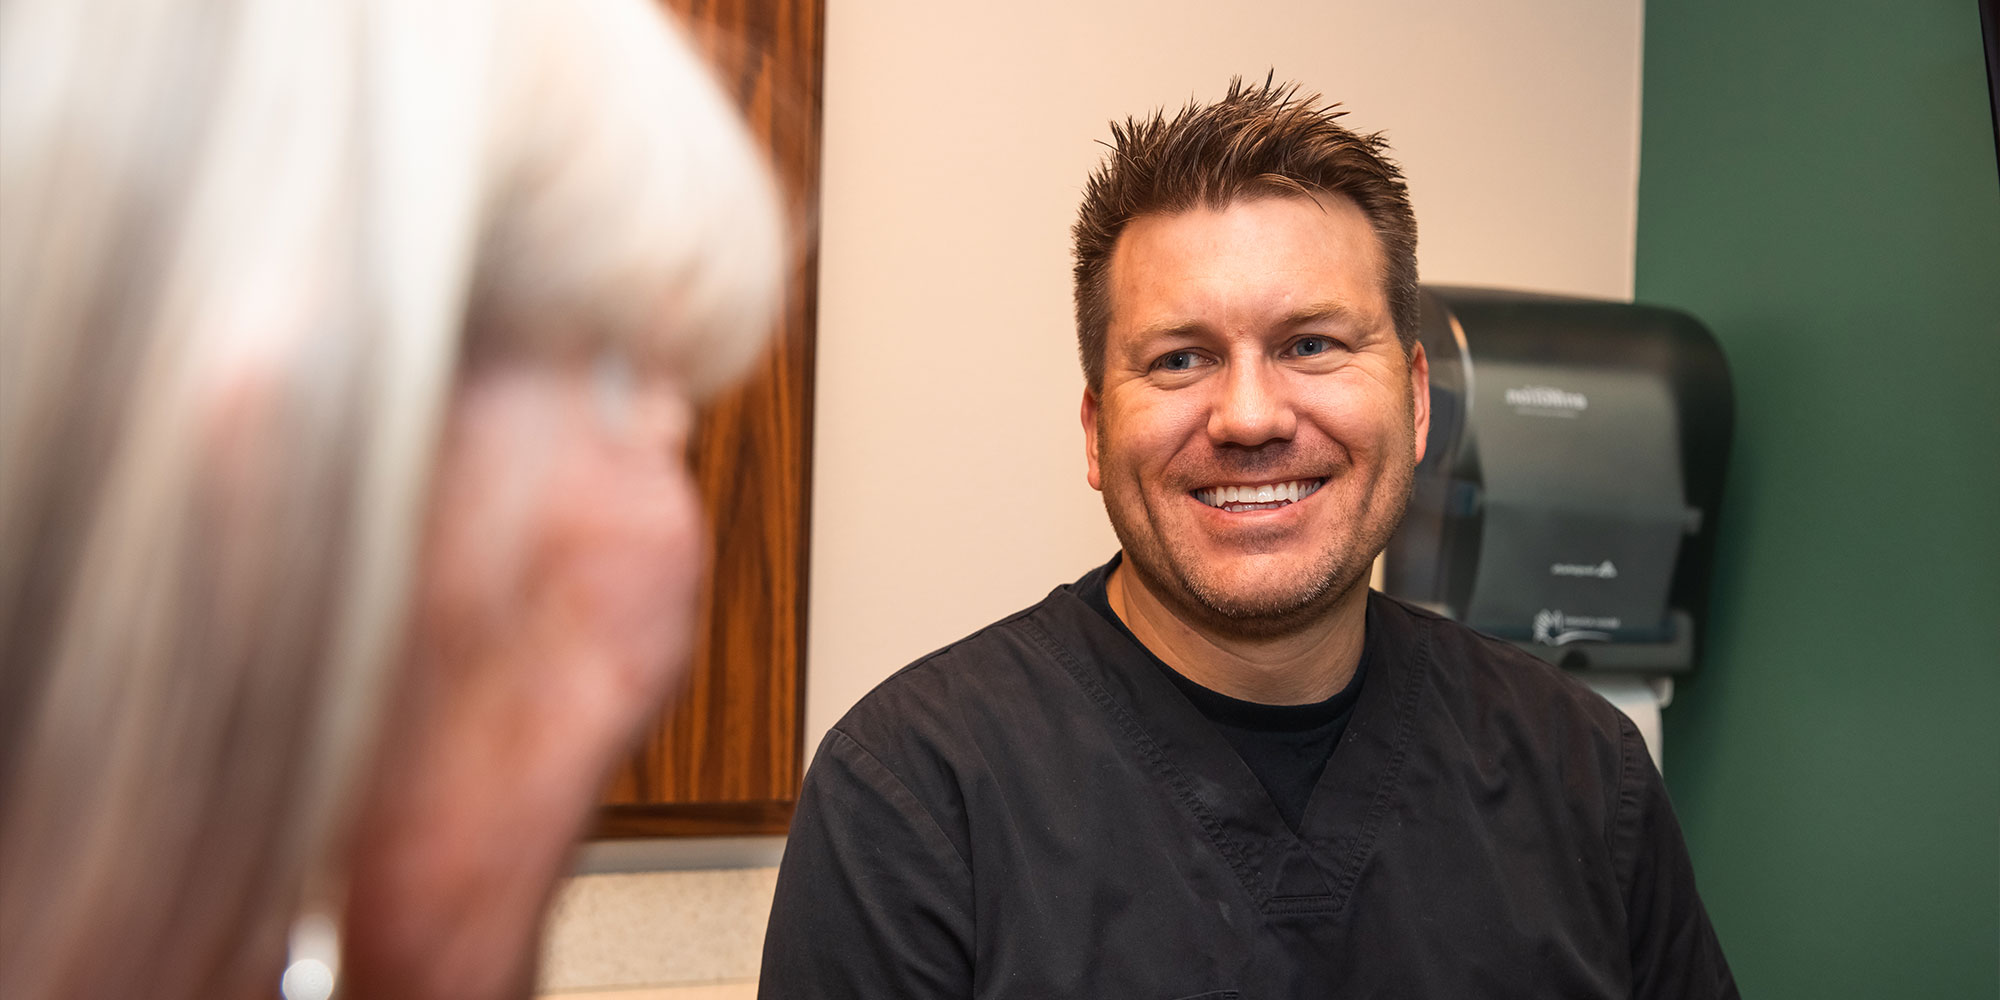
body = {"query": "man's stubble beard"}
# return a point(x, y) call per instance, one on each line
point(1172, 573)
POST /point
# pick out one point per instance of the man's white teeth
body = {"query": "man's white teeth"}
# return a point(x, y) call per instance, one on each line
point(1266, 494)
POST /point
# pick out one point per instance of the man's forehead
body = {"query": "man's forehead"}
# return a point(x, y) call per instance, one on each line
point(1326, 202)
point(1322, 245)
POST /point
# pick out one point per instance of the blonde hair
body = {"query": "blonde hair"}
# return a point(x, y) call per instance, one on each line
point(245, 249)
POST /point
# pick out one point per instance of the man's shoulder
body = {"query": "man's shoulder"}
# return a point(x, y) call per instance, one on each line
point(1473, 671)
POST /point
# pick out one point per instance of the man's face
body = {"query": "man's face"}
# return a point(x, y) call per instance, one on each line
point(1258, 422)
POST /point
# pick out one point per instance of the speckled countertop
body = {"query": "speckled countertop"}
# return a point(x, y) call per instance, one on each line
point(701, 932)
point(742, 990)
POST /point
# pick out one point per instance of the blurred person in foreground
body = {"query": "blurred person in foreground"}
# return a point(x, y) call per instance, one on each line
point(345, 537)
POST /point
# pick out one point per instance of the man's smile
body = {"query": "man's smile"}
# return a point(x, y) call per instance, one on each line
point(1261, 496)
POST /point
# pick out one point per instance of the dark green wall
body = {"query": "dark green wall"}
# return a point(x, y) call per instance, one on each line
point(1817, 183)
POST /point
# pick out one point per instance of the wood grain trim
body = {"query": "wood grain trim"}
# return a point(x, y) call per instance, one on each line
point(728, 758)
point(695, 819)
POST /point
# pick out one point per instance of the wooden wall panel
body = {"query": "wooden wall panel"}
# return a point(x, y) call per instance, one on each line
point(726, 759)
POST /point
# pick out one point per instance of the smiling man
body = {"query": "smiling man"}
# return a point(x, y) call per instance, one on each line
point(1219, 766)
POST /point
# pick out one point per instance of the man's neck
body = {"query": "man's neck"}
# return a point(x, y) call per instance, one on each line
point(1306, 665)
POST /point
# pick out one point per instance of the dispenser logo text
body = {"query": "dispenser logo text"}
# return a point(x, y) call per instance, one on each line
point(1553, 628)
point(1546, 401)
point(1602, 571)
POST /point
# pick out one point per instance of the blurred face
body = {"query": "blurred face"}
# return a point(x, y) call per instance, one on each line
point(1258, 423)
point(554, 616)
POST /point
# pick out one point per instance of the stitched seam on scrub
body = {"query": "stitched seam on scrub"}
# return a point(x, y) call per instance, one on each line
point(1154, 756)
point(1409, 690)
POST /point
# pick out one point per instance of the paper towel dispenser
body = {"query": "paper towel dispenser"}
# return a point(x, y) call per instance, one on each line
point(1567, 497)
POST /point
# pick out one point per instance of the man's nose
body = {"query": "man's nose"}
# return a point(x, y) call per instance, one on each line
point(1252, 407)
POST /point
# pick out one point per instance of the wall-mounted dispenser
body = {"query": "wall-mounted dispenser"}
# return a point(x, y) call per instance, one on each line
point(1567, 498)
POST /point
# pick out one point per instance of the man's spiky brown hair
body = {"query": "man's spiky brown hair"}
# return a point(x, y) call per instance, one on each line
point(1257, 141)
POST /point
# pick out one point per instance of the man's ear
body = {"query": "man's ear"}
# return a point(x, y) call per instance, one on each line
point(1420, 396)
point(1090, 440)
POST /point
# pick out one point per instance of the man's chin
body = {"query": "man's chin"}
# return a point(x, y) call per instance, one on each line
point(1258, 607)
point(1258, 612)
point(1228, 593)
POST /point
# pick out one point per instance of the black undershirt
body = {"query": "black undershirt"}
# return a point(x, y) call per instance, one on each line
point(1285, 746)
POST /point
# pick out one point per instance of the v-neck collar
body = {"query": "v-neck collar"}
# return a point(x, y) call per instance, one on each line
point(1314, 870)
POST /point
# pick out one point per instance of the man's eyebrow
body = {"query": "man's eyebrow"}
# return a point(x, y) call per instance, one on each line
point(1326, 312)
point(1166, 331)
point(1333, 313)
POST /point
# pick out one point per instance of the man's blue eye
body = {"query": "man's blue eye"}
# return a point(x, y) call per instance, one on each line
point(1312, 345)
point(1179, 361)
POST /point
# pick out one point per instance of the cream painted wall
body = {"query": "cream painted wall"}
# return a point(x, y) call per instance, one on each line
point(948, 486)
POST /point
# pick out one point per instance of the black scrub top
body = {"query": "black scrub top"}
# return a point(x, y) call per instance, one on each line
point(1285, 746)
point(1036, 811)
